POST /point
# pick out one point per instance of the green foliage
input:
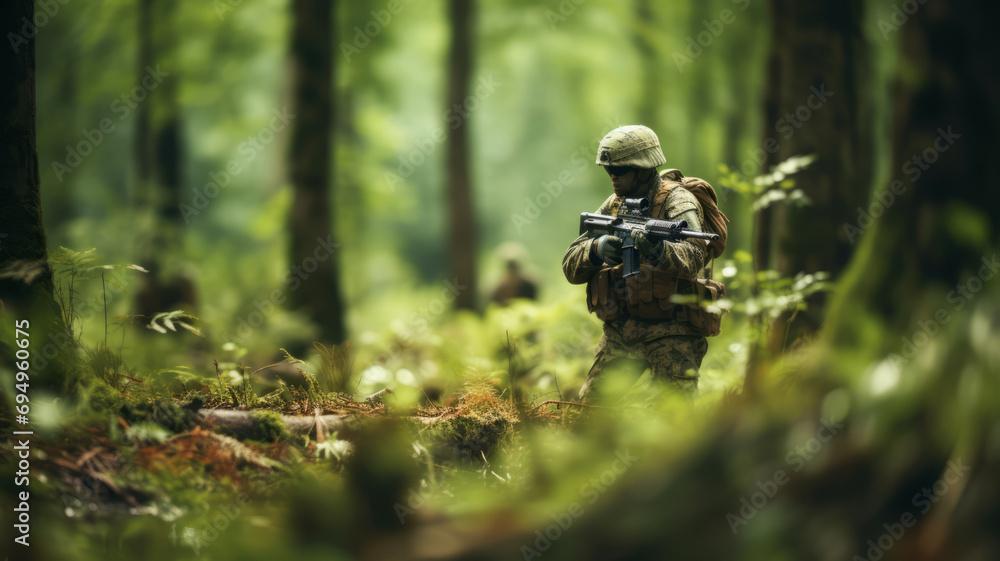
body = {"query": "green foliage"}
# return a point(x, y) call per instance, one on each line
point(769, 188)
point(334, 449)
point(335, 367)
point(163, 321)
point(269, 427)
point(159, 411)
point(109, 366)
point(475, 434)
point(102, 397)
point(70, 268)
point(147, 432)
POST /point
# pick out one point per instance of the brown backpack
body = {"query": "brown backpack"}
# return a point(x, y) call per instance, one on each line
point(707, 289)
point(715, 221)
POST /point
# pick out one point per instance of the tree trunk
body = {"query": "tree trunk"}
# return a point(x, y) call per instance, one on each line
point(461, 214)
point(23, 241)
point(312, 255)
point(736, 40)
point(25, 276)
point(168, 132)
point(920, 268)
point(143, 120)
point(649, 97)
point(700, 78)
point(950, 103)
point(160, 164)
point(814, 104)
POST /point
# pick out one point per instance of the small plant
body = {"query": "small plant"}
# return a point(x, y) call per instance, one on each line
point(335, 367)
point(244, 393)
point(333, 449)
point(108, 365)
point(764, 190)
point(773, 295)
point(69, 268)
point(168, 320)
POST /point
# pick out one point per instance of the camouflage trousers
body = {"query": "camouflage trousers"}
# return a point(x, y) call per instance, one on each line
point(672, 351)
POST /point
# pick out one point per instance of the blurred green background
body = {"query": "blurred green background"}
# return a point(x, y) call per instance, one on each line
point(166, 138)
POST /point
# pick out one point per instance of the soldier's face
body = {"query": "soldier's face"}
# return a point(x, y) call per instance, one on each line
point(622, 179)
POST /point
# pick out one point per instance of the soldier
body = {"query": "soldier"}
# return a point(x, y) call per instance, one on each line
point(640, 322)
point(516, 282)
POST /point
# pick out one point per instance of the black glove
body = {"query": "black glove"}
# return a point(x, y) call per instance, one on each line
point(609, 249)
point(650, 250)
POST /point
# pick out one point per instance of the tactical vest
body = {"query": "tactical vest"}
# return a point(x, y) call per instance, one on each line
point(647, 295)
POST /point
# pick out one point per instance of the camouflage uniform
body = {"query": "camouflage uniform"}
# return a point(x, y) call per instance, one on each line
point(672, 348)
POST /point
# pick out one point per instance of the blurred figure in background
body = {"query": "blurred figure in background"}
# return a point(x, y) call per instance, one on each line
point(515, 282)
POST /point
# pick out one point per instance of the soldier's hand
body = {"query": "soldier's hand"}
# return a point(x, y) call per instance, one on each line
point(651, 250)
point(609, 249)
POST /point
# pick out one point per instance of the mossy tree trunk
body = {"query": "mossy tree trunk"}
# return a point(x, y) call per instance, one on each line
point(814, 103)
point(310, 223)
point(943, 198)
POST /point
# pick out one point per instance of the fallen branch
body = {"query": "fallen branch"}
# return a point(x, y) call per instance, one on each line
point(561, 402)
point(241, 422)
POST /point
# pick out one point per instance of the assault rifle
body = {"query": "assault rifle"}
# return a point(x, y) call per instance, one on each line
point(633, 217)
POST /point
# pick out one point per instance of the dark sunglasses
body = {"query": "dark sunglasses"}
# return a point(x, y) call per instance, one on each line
point(617, 170)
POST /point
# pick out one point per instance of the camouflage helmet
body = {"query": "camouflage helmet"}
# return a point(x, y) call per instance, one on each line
point(632, 145)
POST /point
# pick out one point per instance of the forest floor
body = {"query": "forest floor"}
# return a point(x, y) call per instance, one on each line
point(209, 440)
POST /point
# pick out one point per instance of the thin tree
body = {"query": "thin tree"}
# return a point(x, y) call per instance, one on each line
point(143, 116)
point(310, 222)
point(645, 31)
point(159, 149)
point(25, 276)
point(462, 234)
